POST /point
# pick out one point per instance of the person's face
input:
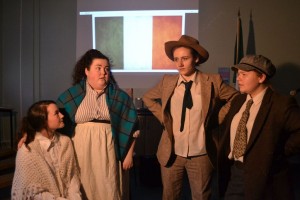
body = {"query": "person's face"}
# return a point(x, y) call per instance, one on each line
point(250, 82)
point(98, 74)
point(55, 118)
point(185, 61)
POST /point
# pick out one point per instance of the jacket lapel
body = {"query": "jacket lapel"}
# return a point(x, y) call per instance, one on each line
point(168, 90)
point(236, 108)
point(238, 102)
point(169, 86)
point(206, 88)
point(260, 118)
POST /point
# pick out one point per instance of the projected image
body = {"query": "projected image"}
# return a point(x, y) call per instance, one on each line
point(135, 39)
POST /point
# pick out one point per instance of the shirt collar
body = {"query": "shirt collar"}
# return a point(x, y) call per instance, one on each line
point(258, 98)
point(89, 90)
point(193, 78)
point(45, 142)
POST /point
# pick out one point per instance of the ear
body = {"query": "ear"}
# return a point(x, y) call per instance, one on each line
point(262, 78)
point(86, 71)
point(197, 59)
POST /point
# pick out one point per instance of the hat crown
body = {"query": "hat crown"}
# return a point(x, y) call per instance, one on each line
point(261, 63)
point(188, 40)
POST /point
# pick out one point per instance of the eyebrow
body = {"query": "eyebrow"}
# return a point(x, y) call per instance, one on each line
point(102, 65)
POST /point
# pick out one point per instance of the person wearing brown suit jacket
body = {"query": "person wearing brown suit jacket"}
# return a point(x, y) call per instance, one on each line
point(261, 171)
point(188, 145)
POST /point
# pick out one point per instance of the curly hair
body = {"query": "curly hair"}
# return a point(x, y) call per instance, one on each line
point(85, 62)
point(36, 119)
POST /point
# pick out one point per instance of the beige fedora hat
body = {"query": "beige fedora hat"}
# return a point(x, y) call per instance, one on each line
point(187, 41)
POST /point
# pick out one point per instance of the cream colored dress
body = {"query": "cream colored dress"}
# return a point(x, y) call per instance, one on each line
point(101, 173)
point(99, 168)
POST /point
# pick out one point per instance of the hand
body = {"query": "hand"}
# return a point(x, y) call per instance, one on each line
point(136, 134)
point(22, 141)
point(128, 162)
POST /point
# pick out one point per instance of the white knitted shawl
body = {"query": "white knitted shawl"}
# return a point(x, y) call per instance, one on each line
point(33, 175)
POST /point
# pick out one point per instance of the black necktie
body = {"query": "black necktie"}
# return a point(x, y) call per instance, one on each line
point(187, 102)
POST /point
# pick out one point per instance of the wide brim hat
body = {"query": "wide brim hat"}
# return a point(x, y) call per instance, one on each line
point(187, 41)
point(258, 63)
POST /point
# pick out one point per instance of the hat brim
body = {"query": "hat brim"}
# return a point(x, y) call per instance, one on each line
point(243, 67)
point(169, 46)
point(246, 67)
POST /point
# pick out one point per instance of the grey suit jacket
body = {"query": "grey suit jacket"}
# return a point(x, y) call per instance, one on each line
point(216, 97)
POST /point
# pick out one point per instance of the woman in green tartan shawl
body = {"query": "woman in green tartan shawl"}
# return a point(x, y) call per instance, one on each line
point(103, 123)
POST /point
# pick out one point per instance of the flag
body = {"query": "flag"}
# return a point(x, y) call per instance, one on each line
point(137, 42)
point(238, 49)
point(251, 38)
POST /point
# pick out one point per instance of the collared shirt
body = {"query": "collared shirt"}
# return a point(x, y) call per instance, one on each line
point(191, 141)
point(50, 149)
point(93, 106)
point(253, 113)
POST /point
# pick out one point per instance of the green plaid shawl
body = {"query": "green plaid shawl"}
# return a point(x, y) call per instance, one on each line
point(123, 115)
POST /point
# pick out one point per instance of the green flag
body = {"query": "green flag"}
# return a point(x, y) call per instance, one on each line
point(238, 49)
point(251, 38)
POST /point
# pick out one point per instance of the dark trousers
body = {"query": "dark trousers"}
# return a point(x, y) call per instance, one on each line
point(236, 185)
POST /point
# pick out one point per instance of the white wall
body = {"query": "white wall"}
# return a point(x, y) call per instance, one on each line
point(38, 44)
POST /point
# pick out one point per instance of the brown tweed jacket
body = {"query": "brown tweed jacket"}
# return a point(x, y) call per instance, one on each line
point(216, 97)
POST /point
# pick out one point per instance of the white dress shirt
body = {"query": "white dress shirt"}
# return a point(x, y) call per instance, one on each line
point(191, 141)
